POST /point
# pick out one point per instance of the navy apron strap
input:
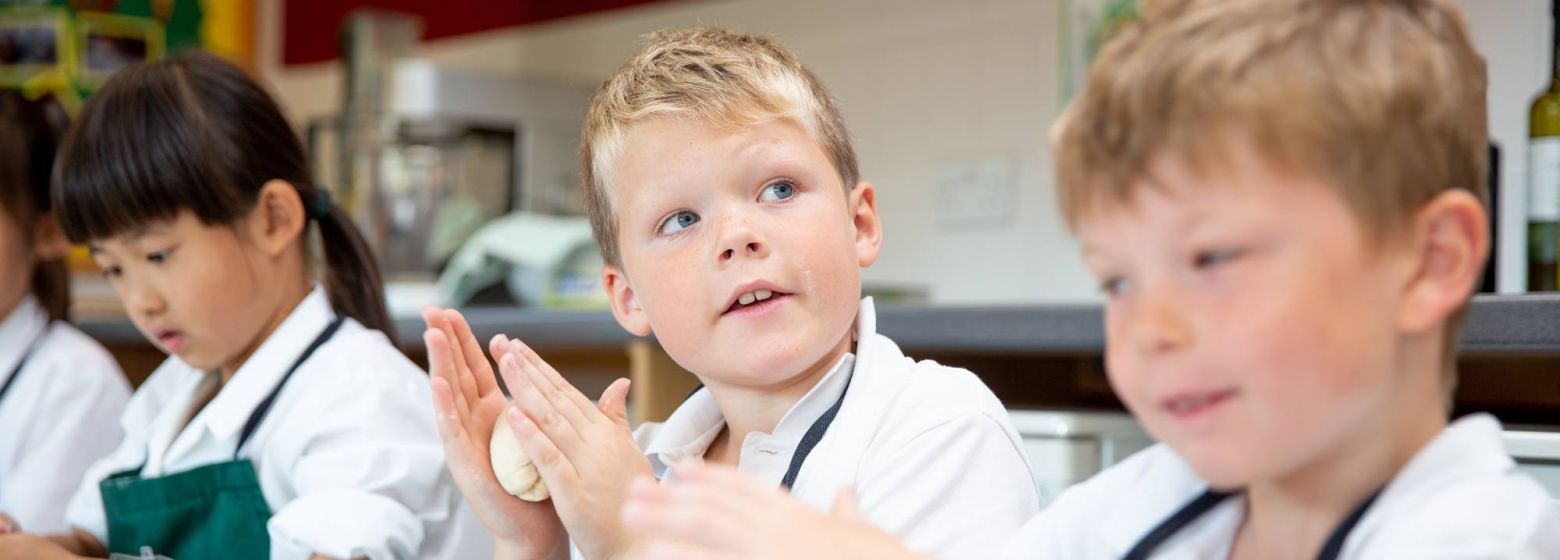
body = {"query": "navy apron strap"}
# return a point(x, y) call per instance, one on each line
point(265, 405)
point(812, 437)
point(1177, 521)
point(1334, 544)
point(1199, 506)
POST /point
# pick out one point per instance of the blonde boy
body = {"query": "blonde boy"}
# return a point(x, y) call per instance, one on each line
point(1281, 201)
point(727, 205)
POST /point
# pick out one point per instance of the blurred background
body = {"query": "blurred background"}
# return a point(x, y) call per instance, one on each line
point(450, 129)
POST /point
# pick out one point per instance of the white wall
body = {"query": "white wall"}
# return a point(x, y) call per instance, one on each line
point(926, 86)
point(929, 85)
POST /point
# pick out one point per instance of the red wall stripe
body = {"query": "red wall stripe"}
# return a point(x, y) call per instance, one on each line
point(311, 28)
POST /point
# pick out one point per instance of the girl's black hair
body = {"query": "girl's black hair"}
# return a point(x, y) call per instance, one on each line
point(29, 132)
point(195, 132)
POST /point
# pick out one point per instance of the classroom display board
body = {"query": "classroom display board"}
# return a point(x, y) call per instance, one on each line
point(68, 48)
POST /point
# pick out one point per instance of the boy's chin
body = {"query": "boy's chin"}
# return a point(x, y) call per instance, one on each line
point(1222, 466)
point(196, 359)
point(771, 369)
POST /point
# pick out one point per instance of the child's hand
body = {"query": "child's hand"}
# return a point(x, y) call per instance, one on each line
point(467, 402)
point(717, 513)
point(585, 453)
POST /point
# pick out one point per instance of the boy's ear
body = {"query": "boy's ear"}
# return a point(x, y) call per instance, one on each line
point(1450, 241)
point(864, 218)
point(625, 305)
point(49, 242)
point(278, 218)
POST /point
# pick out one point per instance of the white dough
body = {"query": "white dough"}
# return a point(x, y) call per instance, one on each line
point(512, 466)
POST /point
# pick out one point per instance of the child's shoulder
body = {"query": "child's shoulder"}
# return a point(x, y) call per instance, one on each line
point(362, 353)
point(1464, 491)
point(73, 355)
point(921, 392)
point(1506, 517)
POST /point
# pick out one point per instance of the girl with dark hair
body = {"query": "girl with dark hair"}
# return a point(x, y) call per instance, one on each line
point(60, 391)
point(284, 423)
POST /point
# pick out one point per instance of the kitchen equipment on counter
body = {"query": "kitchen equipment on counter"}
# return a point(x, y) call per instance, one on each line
point(535, 260)
point(423, 156)
point(1066, 447)
point(1537, 451)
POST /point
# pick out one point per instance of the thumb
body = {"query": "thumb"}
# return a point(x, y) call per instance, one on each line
point(845, 504)
point(614, 402)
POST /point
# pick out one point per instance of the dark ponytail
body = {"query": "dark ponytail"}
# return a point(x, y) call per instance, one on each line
point(352, 278)
point(194, 132)
point(29, 132)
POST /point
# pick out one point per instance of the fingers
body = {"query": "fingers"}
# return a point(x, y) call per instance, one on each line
point(514, 380)
point(441, 364)
point(548, 380)
point(554, 466)
point(452, 432)
point(481, 370)
point(692, 515)
point(614, 402)
point(459, 368)
point(469, 364)
point(559, 423)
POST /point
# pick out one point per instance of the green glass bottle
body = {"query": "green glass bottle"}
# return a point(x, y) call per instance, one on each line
point(1543, 213)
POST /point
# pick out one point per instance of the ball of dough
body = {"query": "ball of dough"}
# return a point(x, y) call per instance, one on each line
point(512, 466)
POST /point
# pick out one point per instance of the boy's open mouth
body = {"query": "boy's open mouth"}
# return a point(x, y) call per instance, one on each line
point(754, 300)
point(1188, 406)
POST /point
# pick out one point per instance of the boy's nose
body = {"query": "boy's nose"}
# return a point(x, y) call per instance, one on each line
point(752, 249)
point(1158, 326)
point(739, 240)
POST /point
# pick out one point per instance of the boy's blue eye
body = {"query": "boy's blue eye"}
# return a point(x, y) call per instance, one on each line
point(778, 190)
point(157, 257)
point(112, 271)
point(677, 222)
point(1205, 259)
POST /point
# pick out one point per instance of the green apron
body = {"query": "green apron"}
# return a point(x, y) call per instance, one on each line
point(215, 511)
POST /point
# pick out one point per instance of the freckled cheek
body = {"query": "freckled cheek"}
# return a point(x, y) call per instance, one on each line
point(674, 294)
point(1285, 371)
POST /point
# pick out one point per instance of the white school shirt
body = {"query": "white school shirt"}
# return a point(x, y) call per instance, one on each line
point(1460, 497)
point(60, 416)
point(348, 458)
point(929, 449)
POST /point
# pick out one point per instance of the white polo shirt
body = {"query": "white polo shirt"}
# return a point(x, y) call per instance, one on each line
point(348, 458)
point(60, 415)
point(1459, 497)
point(929, 450)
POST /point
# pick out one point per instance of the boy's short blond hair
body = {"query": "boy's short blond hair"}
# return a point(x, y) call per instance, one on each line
point(1382, 99)
point(713, 76)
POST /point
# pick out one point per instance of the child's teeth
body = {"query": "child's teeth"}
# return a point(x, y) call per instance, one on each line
point(746, 299)
point(762, 295)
